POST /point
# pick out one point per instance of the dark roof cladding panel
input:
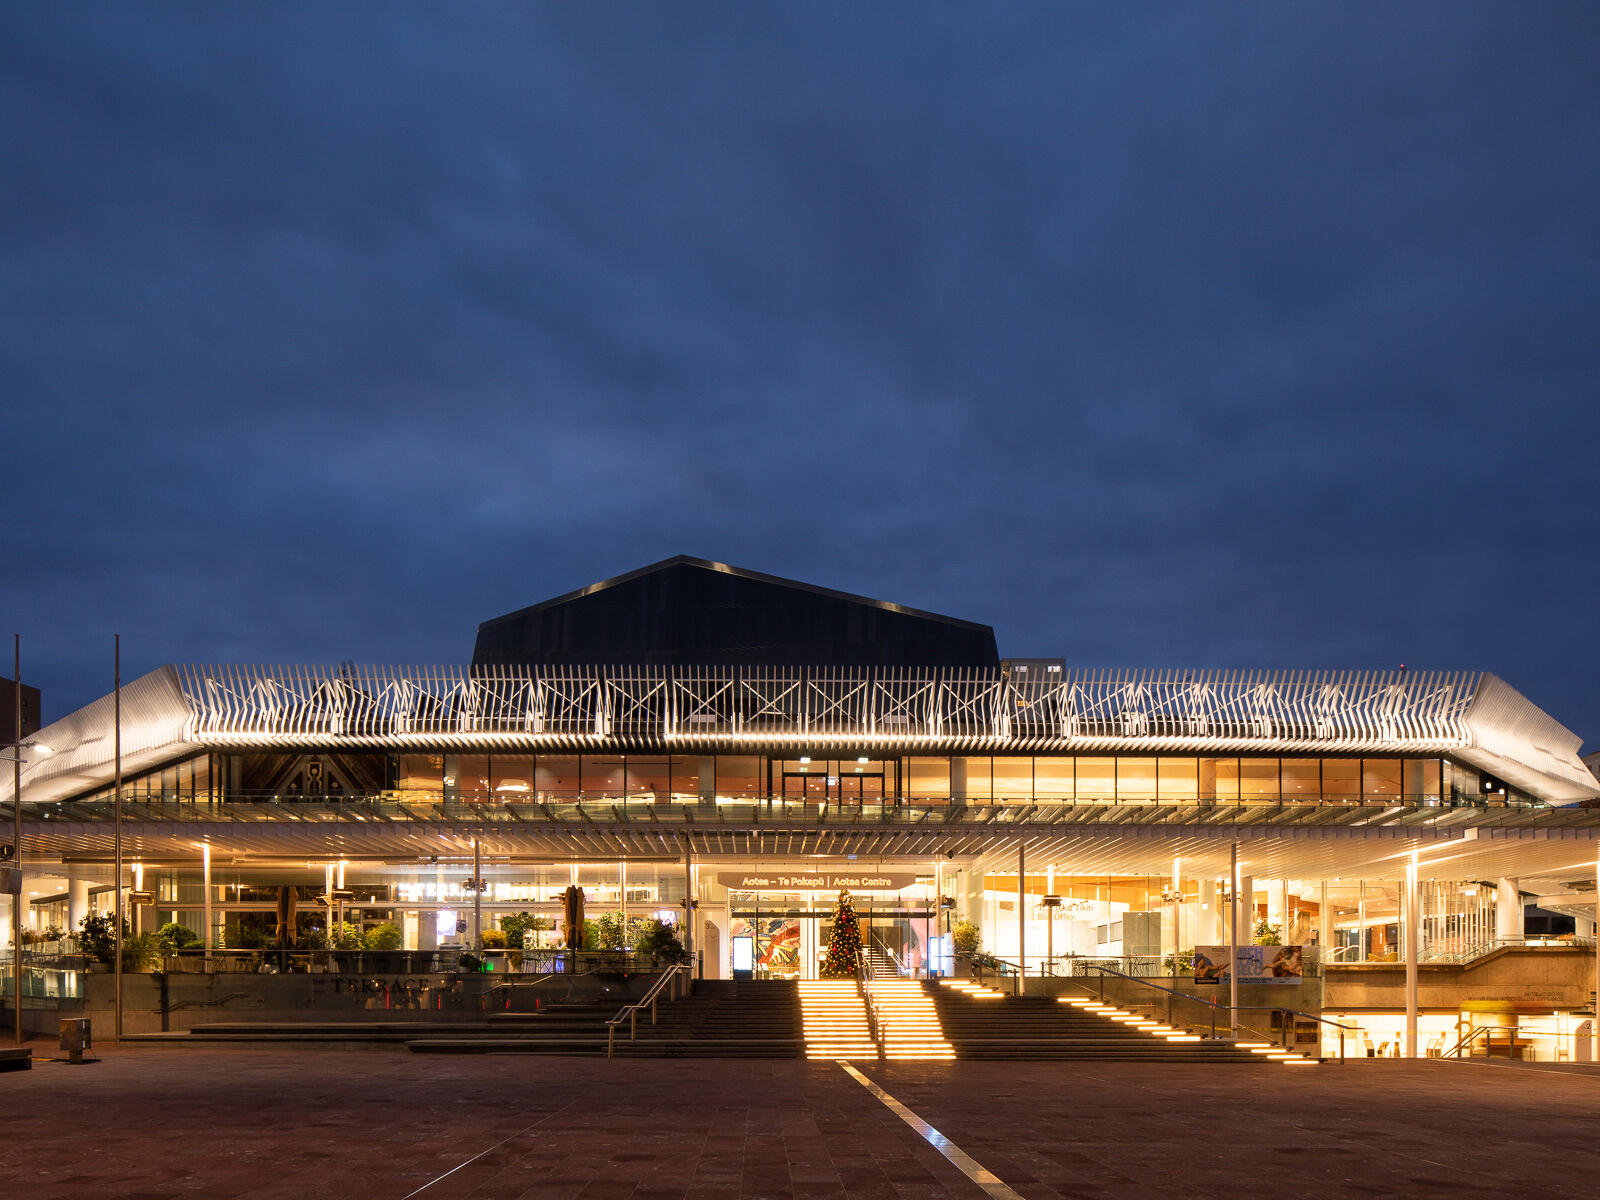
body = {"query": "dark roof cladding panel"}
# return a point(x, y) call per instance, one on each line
point(691, 612)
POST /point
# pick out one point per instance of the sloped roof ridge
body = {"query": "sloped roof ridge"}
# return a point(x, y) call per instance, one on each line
point(688, 560)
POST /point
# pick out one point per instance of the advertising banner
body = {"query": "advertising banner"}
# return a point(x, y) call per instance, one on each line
point(1254, 964)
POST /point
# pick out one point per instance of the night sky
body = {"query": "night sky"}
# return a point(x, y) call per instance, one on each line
point(1185, 336)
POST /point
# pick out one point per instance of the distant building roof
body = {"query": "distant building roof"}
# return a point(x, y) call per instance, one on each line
point(687, 611)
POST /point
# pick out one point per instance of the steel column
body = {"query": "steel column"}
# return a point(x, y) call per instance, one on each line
point(116, 812)
point(16, 842)
point(1412, 927)
point(1233, 939)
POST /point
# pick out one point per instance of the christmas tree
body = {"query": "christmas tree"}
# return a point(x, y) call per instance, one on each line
point(844, 946)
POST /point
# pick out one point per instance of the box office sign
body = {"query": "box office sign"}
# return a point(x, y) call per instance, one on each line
point(815, 881)
point(1253, 964)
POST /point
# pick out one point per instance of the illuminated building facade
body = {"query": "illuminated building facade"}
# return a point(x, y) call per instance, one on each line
point(803, 740)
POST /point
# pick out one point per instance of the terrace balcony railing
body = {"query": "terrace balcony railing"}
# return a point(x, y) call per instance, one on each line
point(610, 805)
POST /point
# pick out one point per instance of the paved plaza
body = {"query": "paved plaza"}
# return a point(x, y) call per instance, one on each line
point(152, 1123)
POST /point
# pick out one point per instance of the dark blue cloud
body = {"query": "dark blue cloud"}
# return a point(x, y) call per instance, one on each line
point(1171, 337)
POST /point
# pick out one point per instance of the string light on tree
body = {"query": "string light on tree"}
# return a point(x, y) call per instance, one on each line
point(844, 944)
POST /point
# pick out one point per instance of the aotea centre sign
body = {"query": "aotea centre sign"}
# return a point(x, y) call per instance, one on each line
point(816, 881)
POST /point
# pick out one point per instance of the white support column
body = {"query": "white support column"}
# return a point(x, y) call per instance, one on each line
point(1233, 939)
point(1325, 936)
point(77, 899)
point(477, 895)
point(1507, 909)
point(688, 905)
point(205, 883)
point(1022, 916)
point(1208, 915)
point(1324, 925)
point(1177, 912)
point(1247, 908)
point(1362, 951)
point(1411, 930)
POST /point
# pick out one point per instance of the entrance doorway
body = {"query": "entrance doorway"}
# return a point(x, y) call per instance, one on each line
point(846, 781)
point(787, 938)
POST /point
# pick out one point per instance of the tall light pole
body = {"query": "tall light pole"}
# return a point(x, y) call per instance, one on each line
point(116, 815)
point(1233, 941)
point(16, 838)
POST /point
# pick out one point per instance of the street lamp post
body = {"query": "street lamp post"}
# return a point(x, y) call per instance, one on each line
point(16, 840)
point(1051, 903)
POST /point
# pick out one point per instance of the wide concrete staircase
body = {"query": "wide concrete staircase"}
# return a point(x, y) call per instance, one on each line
point(908, 1020)
point(979, 1022)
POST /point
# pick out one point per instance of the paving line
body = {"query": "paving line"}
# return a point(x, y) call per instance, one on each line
point(963, 1162)
point(508, 1138)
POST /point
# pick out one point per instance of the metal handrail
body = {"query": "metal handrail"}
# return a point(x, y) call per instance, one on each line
point(899, 966)
point(630, 1012)
point(1472, 1032)
point(1476, 1031)
point(865, 978)
point(981, 967)
point(1217, 1008)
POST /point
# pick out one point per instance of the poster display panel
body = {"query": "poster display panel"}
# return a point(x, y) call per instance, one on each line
point(1253, 964)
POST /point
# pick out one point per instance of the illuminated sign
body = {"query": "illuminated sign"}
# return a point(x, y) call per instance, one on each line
point(817, 881)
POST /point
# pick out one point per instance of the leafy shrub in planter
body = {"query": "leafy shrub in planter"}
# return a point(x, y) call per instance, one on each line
point(97, 938)
point(609, 932)
point(493, 939)
point(174, 937)
point(385, 937)
point(517, 926)
point(252, 938)
point(142, 952)
point(966, 937)
point(660, 940)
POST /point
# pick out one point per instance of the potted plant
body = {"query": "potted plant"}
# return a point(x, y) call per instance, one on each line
point(97, 941)
point(172, 938)
point(383, 943)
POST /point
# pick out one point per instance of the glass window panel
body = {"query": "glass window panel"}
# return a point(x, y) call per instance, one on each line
point(649, 778)
point(511, 778)
point(556, 777)
point(472, 777)
point(1302, 778)
point(1097, 778)
point(1431, 779)
point(1341, 778)
point(601, 774)
point(928, 778)
point(971, 778)
point(1422, 778)
point(1178, 778)
point(686, 777)
point(422, 773)
point(1380, 776)
point(1053, 778)
point(1013, 779)
point(1258, 778)
point(1136, 779)
point(1411, 777)
point(1219, 778)
point(739, 776)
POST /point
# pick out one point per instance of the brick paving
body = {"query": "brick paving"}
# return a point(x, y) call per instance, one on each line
point(149, 1123)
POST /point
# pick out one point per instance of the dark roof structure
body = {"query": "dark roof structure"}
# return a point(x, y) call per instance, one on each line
point(692, 612)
